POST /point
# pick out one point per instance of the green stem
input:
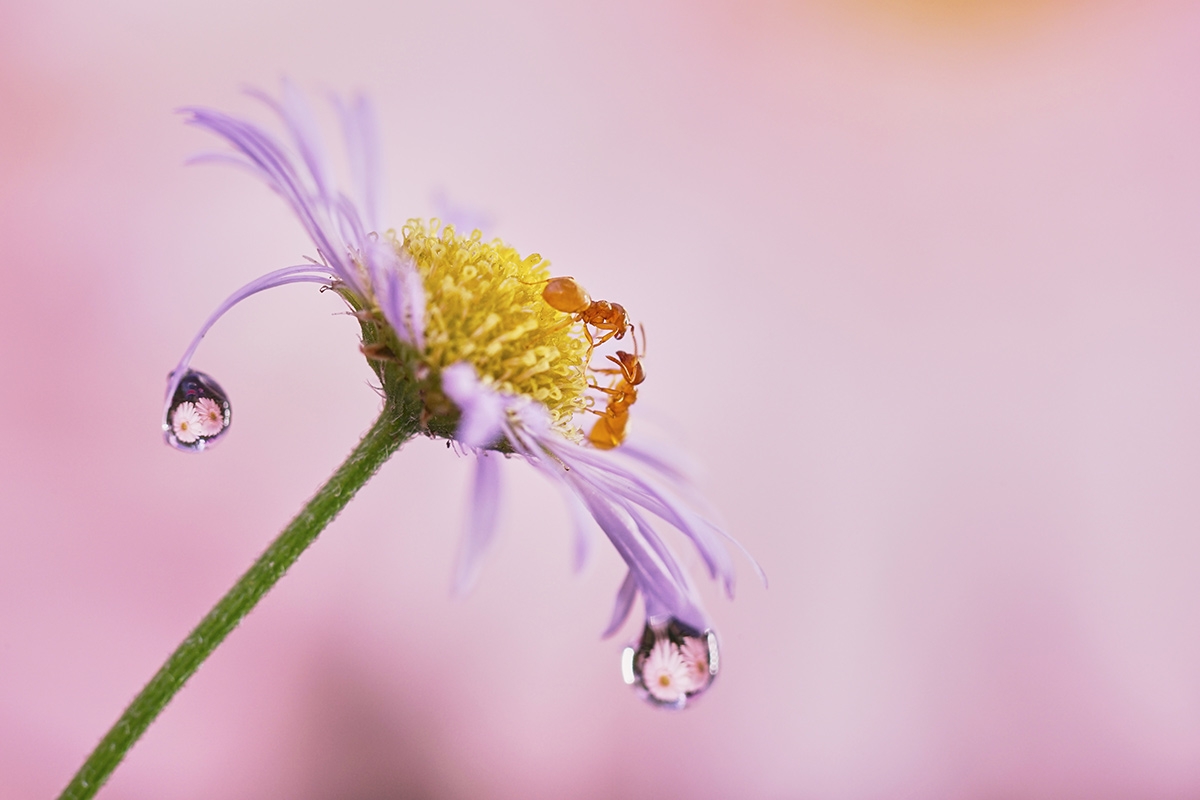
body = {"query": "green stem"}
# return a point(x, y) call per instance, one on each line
point(387, 434)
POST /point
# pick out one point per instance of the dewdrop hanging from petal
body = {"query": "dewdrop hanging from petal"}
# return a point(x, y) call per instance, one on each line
point(197, 414)
point(672, 664)
point(473, 342)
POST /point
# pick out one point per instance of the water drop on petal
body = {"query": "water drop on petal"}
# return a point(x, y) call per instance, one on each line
point(199, 414)
point(671, 664)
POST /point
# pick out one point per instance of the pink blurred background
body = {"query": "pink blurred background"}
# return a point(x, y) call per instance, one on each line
point(920, 281)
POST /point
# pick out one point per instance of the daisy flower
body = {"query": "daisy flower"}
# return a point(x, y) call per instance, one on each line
point(672, 663)
point(474, 343)
point(185, 422)
point(197, 414)
point(212, 416)
point(700, 659)
point(469, 344)
point(665, 673)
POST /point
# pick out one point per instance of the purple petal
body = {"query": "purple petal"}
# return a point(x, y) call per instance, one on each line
point(481, 521)
point(624, 604)
point(664, 460)
point(302, 273)
point(614, 491)
point(624, 483)
point(297, 116)
point(343, 231)
point(655, 579)
point(269, 159)
point(362, 139)
point(581, 525)
point(482, 409)
point(399, 291)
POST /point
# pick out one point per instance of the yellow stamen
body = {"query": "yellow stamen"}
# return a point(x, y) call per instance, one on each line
point(484, 306)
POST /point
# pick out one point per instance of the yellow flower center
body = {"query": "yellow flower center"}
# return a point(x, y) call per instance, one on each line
point(484, 306)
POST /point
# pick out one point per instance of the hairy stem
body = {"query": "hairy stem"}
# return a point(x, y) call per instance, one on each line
point(390, 431)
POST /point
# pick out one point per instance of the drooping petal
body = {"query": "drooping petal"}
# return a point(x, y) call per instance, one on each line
point(655, 578)
point(481, 520)
point(607, 471)
point(667, 462)
point(678, 470)
point(617, 493)
point(623, 605)
point(582, 526)
point(302, 273)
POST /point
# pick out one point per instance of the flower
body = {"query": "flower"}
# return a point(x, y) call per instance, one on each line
point(463, 340)
point(211, 416)
point(185, 422)
point(619, 488)
point(671, 664)
point(666, 673)
point(699, 660)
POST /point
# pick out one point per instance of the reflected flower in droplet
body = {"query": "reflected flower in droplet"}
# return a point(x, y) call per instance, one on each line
point(212, 416)
point(665, 673)
point(197, 413)
point(185, 423)
point(695, 655)
point(671, 664)
point(460, 337)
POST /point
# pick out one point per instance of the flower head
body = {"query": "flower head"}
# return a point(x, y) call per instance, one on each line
point(185, 422)
point(478, 344)
point(212, 416)
point(665, 672)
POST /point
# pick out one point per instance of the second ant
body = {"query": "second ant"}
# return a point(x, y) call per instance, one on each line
point(609, 430)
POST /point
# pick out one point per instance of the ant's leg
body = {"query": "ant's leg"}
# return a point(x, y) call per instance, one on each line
point(610, 391)
point(587, 360)
point(611, 332)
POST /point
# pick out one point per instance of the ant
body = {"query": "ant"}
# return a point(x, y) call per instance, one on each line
point(567, 296)
point(609, 430)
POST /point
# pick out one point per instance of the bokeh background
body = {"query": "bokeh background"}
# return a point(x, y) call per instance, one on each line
point(920, 282)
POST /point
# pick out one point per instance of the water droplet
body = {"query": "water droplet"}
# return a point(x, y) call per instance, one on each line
point(199, 414)
point(671, 664)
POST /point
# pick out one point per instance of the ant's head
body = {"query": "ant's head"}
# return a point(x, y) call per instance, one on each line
point(631, 367)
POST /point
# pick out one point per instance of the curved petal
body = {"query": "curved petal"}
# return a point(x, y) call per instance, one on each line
point(623, 605)
point(617, 493)
point(581, 525)
point(655, 577)
point(268, 159)
point(302, 273)
point(481, 521)
point(343, 230)
point(624, 483)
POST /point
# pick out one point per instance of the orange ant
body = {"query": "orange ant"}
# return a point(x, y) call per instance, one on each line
point(609, 430)
point(567, 296)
